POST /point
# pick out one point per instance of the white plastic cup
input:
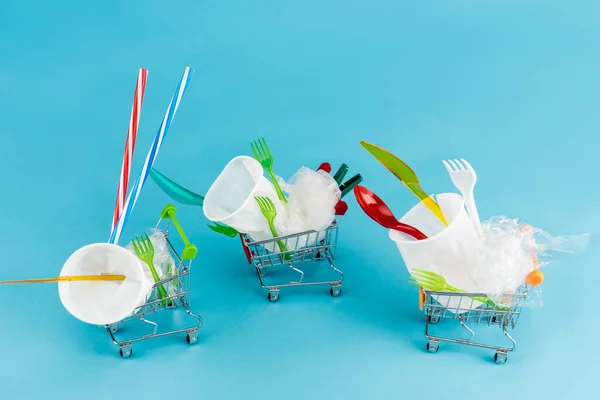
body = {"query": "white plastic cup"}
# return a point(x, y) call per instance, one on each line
point(104, 302)
point(230, 200)
point(450, 251)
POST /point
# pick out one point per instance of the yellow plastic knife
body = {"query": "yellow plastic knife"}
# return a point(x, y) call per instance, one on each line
point(406, 175)
point(70, 279)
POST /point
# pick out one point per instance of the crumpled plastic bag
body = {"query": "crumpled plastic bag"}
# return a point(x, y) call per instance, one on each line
point(506, 256)
point(163, 261)
point(312, 199)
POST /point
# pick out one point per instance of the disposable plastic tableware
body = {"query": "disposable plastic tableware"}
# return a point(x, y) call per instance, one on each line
point(77, 278)
point(451, 251)
point(230, 199)
point(341, 208)
point(341, 173)
point(150, 158)
point(325, 167)
point(101, 302)
point(379, 212)
point(268, 209)
point(431, 281)
point(436, 283)
point(406, 175)
point(265, 158)
point(145, 252)
point(347, 186)
point(176, 191)
point(464, 177)
point(178, 275)
point(224, 230)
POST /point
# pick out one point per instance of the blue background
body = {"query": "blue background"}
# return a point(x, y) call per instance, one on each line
point(511, 85)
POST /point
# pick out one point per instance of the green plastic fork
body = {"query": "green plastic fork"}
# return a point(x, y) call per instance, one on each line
point(436, 283)
point(268, 210)
point(265, 158)
point(224, 230)
point(145, 252)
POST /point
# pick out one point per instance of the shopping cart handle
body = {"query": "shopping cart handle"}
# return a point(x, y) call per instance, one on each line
point(189, 250)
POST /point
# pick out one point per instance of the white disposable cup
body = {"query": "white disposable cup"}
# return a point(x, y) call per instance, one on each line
point(104, 302)
point(230, 200)
point(451, 251)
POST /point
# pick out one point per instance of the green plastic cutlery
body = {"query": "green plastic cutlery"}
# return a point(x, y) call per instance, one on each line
point(224, 230)
point(145, 252)
point(406, 175)
point(175, 190)
point(268, 210)
point(347, 186)
point(265, 158)
point(341, 173)
point(436, 283)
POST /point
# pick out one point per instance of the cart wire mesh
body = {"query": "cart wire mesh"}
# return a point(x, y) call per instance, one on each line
point(291, 251)
point(180, 298)
point(474, 309)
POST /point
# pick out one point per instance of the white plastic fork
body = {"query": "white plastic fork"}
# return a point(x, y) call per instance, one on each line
point(464, 177)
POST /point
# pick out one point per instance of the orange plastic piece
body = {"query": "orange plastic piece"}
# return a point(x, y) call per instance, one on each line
point(422, 298)
point(535, 278)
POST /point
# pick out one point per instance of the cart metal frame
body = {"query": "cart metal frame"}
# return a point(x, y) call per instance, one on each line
point(181, 298)
point(321, 248)
point(477, 309)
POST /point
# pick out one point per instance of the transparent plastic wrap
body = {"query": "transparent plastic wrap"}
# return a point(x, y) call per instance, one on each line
point(163, 261)
point(510, 250)
point(312, 199)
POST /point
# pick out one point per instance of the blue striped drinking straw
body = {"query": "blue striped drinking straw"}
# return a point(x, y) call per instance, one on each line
point(151, 157)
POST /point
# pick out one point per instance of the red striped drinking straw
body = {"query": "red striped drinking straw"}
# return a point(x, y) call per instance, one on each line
point(134, 122)
point(134, 193)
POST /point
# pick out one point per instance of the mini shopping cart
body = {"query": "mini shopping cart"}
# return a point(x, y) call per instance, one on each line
point(473, 308)
point(321, 246)
point(180, 299)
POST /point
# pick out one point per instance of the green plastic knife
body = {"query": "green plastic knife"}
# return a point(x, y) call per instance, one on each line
point(176, 191)
point(406, 176)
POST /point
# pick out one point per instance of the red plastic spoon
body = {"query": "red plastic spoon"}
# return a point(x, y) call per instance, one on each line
point(379, 212)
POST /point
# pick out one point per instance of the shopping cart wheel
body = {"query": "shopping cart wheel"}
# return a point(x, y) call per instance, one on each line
point(273, 296)
point(500, 358)
point(433, 347)
point(125, 351)
point(335, 290)
point(192, 337)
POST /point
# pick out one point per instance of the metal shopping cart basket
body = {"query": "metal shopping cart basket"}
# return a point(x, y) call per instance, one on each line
point(300, 248)
point(180, 299)
point(473, 308)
